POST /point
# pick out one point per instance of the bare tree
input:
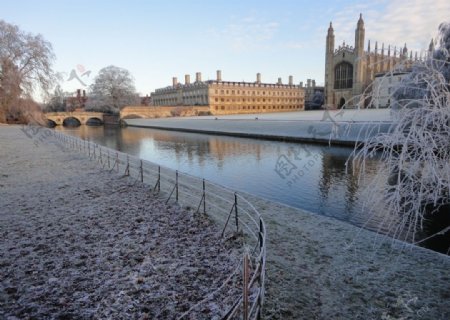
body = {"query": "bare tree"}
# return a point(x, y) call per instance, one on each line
point(113, 88)
point(413, 180)
point(26, 64)
point(55, 102)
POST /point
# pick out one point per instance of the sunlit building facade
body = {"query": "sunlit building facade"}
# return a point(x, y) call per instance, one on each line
point(232, 97)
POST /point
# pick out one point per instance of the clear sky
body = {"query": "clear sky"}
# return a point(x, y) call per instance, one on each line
point(156, 40)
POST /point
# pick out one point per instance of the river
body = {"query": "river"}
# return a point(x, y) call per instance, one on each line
point(306, 176)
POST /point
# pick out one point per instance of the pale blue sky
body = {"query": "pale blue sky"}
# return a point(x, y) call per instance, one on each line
point(156, 40)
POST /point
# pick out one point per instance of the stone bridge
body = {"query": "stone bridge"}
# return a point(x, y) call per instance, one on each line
point(61, 118)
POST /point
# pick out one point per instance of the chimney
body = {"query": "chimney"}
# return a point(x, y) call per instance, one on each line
point(198, 77)
point(291, 80)
point(174, 81)
point(78, 93)
point(308, 83)
point(258, 77)
point(219, 75)
point(187, 79)
point(84, 93)
point(314, 83)
point(279, 81)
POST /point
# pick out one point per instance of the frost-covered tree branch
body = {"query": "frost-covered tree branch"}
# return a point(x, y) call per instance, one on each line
point(413, 179)
point(25, 64)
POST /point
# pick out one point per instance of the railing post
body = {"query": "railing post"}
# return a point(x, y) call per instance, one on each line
point(158, 182)
point(89, 150)
point(260, 234)
point(261, 262)
point(127, 169)
point(236, 212)
point(176, 185)
point(245, 291)
point(109, 164)
point(142, 172)
point(159, 178)
point(204, 197)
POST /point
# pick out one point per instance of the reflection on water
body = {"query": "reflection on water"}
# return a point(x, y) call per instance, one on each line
point(311, 177)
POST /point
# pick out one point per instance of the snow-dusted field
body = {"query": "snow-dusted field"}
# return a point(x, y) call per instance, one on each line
point(81, 242)
point(341, 126)
point(361, 115)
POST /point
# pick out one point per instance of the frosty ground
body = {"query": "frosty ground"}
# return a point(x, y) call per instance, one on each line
point(81, 242)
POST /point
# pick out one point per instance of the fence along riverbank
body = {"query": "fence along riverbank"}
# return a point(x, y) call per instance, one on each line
point(237, 216)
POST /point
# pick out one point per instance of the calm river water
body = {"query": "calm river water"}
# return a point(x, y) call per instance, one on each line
point(306, 176)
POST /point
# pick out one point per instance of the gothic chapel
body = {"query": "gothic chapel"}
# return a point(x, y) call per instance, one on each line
point(349, 71)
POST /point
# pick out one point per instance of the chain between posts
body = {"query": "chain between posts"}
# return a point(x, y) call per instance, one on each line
point(175, 188)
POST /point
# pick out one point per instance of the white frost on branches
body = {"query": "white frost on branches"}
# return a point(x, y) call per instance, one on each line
point(113, 88)
point(413, 179)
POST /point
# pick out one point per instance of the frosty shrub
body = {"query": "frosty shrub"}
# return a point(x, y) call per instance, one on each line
point(412, 182)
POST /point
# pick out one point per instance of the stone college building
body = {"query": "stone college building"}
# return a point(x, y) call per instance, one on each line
point(229, 97)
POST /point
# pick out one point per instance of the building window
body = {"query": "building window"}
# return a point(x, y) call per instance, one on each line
point(343, 76)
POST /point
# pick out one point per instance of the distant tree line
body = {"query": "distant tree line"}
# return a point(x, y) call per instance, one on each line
point(26, 66)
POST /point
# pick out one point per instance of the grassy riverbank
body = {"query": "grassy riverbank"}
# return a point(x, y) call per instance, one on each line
point(55, 203)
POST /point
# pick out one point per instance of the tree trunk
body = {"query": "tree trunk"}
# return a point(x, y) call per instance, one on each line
point(2, 116)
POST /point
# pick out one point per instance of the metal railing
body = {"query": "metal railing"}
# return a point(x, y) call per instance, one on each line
point(239, 218)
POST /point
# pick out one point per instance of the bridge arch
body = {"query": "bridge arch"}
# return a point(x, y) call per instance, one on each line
point(71, 122)
point(51, 123)
point(94, 121)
